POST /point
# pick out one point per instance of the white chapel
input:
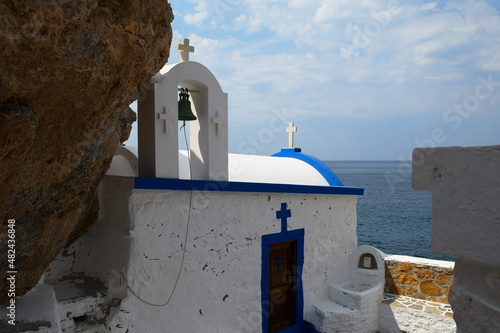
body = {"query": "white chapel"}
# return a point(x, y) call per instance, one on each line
point(208, 241)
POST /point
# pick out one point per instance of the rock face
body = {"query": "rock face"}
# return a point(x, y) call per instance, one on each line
point(68, 71)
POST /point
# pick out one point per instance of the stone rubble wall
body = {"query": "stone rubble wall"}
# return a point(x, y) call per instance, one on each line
point(420, 278)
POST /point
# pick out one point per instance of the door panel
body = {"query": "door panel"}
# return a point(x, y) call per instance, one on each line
point(282, 285)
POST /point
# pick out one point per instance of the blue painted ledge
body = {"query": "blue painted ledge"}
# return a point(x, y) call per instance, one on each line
point(211, 185)
point(321, 167)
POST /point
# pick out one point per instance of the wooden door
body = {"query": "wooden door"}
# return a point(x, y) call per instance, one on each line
point(282, 285)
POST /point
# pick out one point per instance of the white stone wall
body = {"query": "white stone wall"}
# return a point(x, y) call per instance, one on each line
point(465, 187)
point(103, 251)
point(219, 290)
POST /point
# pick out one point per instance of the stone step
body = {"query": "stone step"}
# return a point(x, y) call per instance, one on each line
point(83, 303)
point(330, 316)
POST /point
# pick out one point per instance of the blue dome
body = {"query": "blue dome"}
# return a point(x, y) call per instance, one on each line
point(321, 167)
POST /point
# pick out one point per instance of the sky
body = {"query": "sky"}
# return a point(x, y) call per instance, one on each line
point(361, 80)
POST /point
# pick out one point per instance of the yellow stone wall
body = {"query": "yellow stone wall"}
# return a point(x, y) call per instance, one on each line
point(431, 283)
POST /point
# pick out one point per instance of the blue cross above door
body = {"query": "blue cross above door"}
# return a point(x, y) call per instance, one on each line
point(284, 214)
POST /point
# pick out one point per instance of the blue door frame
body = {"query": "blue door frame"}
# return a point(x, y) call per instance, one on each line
point(267, 240)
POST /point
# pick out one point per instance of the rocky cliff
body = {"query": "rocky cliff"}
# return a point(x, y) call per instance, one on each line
point(68, 71)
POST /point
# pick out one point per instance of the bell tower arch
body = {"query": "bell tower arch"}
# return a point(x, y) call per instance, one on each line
point(158, 119)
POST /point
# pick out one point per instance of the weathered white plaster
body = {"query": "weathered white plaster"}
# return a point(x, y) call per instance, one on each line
point(219, 289)
point(158, 118)
point(108, 243)
point(86, 275)
point(80, 297)
point(466, 224)
point(465, 199)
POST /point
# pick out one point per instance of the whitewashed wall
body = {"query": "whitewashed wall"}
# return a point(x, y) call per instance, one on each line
point(466, 224)
point(219, 289)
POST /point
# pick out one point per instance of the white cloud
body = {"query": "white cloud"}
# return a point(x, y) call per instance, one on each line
point(452, 76)
point(199, 16)
point(420, 59)
point(428, 6)
point(196, 19)
point(325, 12)
point(490, 62)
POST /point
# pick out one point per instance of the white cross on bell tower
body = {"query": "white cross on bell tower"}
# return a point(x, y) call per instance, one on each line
point(184, 48)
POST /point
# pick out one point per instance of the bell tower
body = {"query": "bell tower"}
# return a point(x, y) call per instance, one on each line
point(158, 119)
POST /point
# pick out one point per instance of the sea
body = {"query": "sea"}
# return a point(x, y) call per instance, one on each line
point(392, 216)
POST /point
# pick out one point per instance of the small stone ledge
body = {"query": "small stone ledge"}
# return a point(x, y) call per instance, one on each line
point(420, 278)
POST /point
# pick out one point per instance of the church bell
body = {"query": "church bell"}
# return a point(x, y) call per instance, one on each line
point(184, 106)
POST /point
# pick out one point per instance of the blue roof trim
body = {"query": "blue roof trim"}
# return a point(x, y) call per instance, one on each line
point(212, 185)
point(321, 167)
